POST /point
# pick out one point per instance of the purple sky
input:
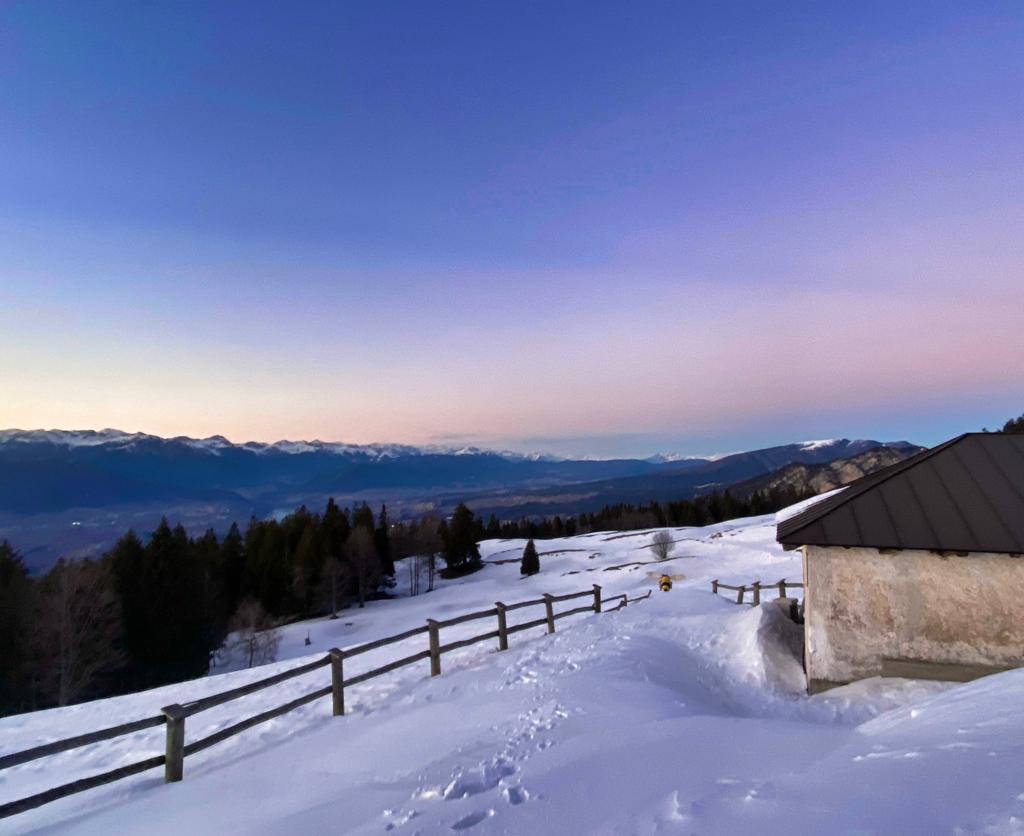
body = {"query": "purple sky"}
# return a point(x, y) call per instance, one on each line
point(593, 229)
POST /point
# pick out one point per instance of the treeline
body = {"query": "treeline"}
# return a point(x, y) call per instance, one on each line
point(151, 613)
point(154, 611)
point(704, 510)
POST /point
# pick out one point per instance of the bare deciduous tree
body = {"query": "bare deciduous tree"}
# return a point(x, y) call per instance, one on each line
point(413, 562)
point(662, 545)
point(334, 572)
point(80, 629)
point(254, 635)
point(362, 556)
point(428, 542)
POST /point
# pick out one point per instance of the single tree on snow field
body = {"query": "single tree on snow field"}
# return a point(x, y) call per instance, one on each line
point(662, 545)
point(531, 560)
point(255, 637)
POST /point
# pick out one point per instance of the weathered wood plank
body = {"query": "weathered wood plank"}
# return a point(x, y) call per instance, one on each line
point(435, 647)
point(337, 682)
point(536, 602)
point(174, 753)
point(391, 666)
point(526, 625)
point(63, 745)
point(374, 645)
point(226, 696)
point(81, 785)
point(467, 642)
point(499, 608)
point(570, 596)
point(462, 619)
point(588, 608)
point(255, 720)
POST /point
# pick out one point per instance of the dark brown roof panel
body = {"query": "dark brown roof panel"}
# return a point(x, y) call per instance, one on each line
point(964, 495)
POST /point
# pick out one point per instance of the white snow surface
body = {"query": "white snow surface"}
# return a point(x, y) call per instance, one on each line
point(684, 713)
point(820, 444)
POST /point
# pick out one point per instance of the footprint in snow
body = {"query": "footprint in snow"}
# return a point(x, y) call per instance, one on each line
point(480, 779)
point(515, 795)
point(473, 819)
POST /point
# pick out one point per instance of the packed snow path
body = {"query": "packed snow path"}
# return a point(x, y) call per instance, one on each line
point(684, 713)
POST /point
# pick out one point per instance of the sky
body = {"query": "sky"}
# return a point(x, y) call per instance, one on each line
point(581, 228)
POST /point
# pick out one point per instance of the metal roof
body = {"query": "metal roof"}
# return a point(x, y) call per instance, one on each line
point(966, 495)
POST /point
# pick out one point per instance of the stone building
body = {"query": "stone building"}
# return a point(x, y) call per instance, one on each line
point(917, 570)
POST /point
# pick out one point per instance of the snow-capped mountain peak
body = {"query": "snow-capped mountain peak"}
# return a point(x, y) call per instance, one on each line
point(217, 444)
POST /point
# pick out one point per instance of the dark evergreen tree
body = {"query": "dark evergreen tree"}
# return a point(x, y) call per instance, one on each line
point(1014, 425)
point(163, 606)
point(530, 564)
point(363, 518)
point(461, 554)
point(336, 528)
point(232, 561)
point(382, 542)
point(272, 570)
point(307, 568)
point(15, 633)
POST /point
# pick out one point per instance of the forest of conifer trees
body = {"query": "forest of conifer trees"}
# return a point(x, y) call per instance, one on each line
point(154, 609)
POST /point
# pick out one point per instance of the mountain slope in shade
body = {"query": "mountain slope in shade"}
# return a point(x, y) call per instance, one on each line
point(50, 471)
point(674, 481)
point(820, 478)
point(73, 493)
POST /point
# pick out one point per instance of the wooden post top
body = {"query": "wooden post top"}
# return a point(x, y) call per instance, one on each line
point(174, 712)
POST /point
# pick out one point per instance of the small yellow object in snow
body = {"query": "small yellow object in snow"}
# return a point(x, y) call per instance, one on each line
point(665, 583)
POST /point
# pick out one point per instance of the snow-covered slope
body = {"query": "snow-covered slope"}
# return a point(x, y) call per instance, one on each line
point(683, 713)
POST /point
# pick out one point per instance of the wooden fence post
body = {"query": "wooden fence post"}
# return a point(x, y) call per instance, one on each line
point(435, 647)
point(174, 762)
point(337, 681)
point(714, 586)
point(757, 593)
point(549, 606)
point(739, 594)
point(597, 598)
point(502, 627)
point(782, 588)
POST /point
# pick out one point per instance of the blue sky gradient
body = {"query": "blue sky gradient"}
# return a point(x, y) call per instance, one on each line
point(590, 228)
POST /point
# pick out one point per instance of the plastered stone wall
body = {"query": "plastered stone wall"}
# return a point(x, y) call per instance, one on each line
point(862, 605)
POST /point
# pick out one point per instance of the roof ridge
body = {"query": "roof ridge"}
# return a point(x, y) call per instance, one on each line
point(811, 515)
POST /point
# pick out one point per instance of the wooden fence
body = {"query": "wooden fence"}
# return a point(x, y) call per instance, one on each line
point(755, 589)
point(175, 716)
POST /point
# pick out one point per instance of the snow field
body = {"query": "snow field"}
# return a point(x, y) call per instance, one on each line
point(683, 713)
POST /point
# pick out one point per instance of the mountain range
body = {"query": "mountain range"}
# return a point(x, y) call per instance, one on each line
point(74, 492)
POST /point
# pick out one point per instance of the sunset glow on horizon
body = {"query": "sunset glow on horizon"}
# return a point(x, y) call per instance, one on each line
point(691, 229)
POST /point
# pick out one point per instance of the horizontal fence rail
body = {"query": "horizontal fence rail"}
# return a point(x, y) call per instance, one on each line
point(755, 589)
point(174, 716)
